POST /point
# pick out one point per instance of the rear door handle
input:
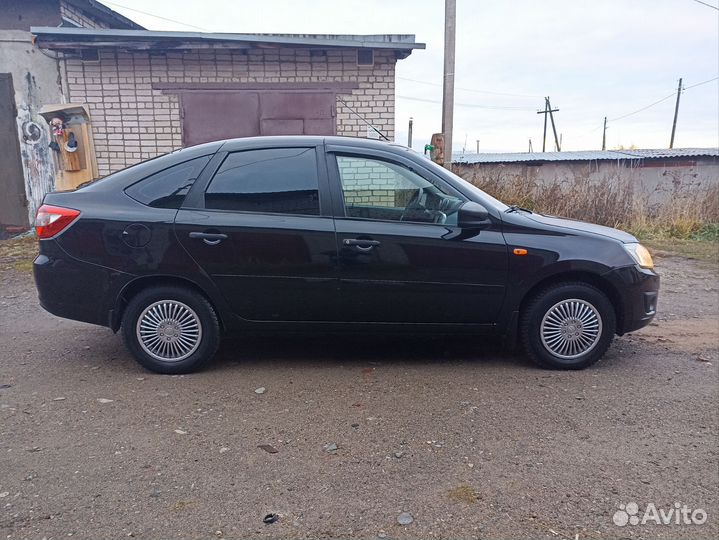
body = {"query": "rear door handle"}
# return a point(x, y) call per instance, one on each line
point(211, 239)
point(360, 243)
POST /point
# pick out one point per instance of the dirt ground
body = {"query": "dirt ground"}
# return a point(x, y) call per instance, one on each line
point(472, 443)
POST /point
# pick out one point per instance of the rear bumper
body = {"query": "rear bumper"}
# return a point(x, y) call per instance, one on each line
point(638, 290)
point(73, 289)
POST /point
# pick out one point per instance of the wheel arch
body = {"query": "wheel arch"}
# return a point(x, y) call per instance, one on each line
point(139, 284)
point(590, 278)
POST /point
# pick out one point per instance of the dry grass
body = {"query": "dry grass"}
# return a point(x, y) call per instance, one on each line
point(18, 253)
point(685, 211)
point(463, 493)
point(706, 251)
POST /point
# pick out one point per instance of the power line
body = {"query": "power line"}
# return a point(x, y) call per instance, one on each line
point(661, 100)
point(155, 16)
point(471, 105)
point(684, 89)
point(470, 89)
point(707, 5)
point(644, 108)
point(699, 84)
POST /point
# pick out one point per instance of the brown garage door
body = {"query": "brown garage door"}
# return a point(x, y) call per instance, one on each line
point(211, 116)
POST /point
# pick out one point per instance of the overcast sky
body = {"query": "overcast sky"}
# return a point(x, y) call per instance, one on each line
point(594, 58)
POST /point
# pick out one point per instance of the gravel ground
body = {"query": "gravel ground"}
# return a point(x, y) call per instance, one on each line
point(472, 443)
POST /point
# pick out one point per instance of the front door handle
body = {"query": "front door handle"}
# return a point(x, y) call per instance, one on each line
point(211, 239)
point(361, 244)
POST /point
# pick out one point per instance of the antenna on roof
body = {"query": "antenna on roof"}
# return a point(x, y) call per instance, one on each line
point(358, 115)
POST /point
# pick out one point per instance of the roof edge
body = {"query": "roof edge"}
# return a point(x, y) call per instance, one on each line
point(585, 155)
point(53, 37)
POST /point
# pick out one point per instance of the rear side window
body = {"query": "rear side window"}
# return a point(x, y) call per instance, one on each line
point(167, 189)
point(274, 181)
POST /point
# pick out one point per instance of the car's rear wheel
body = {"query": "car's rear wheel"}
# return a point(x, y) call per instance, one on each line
point(568, 326)
point(171, 329)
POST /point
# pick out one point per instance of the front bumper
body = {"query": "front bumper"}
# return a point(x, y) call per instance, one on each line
point(638, 291)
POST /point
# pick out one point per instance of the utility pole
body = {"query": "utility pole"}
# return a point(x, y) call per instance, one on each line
point(409, 132)
point(604, 135)
point(530, 145)
point(544, 133)
point(554, 128)
point(676, 113)
point(450, 27)
point(548, 111)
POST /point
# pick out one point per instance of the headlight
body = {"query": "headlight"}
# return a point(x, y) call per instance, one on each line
point(640, 254)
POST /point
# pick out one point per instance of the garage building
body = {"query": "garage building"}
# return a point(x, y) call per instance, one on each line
point(140, 93)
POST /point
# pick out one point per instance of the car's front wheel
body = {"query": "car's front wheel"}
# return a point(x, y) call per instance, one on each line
point(170, 329)
point(568, 326)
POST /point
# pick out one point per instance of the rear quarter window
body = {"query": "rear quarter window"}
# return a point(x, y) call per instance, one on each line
point(168, 188)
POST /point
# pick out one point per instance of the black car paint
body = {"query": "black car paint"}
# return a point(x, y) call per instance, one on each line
point(421, 276)
point(426, 271)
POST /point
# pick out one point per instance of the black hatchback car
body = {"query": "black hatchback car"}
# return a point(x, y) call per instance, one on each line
point(328, 233)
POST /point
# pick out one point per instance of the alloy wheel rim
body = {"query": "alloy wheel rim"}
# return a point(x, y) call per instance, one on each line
point(571, 328)
point(169, 330)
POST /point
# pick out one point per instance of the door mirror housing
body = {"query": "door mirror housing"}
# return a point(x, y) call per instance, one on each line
point(472, 215)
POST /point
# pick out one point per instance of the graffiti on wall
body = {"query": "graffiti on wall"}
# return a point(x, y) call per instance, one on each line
point(36, 156)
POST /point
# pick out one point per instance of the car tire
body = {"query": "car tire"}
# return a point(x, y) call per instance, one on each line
point(567, 326)
point(171, 330)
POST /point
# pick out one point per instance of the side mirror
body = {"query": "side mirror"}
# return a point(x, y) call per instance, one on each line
point(472, 215)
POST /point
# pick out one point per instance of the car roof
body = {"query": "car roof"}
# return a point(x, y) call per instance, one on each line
point(298, 140)
point(146, 168)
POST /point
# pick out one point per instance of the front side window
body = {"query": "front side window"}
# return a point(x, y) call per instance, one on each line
point(167, 189)
point(376, 189)
point(275, 181)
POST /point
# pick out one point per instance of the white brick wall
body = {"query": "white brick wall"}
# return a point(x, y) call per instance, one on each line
point(71, 13)
point(132, 122)
point(370, 183)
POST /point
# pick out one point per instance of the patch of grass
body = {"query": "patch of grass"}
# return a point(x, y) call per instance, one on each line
point(700, 243)
point(23, 266)
point(18, 253)
point(701, 250)
point(183, 505)
point(463, 493)
point(707, 233)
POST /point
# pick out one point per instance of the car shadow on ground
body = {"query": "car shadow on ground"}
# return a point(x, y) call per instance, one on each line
point(364, 349)
point(313, 350)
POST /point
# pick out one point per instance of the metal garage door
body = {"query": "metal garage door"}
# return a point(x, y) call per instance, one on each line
point(13, 204)
point(211, 116)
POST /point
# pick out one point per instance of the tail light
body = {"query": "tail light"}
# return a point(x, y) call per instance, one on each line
point(52, 220)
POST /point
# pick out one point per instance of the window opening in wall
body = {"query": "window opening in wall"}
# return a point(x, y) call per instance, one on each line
point(365, 57)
